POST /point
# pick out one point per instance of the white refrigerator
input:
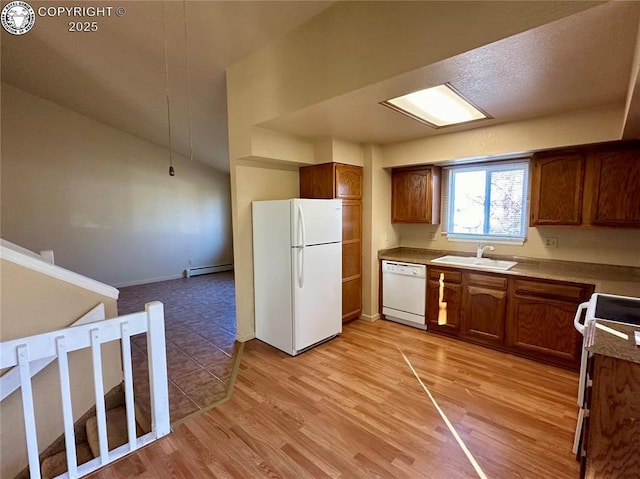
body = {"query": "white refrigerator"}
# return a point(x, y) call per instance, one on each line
point(297, 272)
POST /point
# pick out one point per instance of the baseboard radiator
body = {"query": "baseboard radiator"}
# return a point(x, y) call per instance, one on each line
point(195, 271)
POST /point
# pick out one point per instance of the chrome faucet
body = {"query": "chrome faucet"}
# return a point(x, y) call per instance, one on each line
point(481, 249)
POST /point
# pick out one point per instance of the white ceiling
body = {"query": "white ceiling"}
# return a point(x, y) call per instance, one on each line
point(579, 62)
point(117, 75)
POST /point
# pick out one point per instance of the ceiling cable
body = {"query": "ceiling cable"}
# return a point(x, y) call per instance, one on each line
point(186, 48)
point(166, 71)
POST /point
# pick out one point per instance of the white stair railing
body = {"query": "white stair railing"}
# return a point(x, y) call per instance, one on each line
point(21, 352)
point(10, 381)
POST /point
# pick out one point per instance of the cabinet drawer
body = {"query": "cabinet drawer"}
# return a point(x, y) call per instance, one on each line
point(450, 276)
point(552, 290)
point(486, 280)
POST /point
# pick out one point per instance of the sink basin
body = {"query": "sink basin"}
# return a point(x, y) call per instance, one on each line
point(484, 263)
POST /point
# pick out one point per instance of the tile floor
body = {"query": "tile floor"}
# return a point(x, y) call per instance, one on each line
point(200, 330)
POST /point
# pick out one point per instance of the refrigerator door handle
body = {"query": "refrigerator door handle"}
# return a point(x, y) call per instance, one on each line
point(301, 250)
point(301, 267)
point(302, 226)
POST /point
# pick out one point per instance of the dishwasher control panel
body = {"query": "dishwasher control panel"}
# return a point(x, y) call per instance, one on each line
point(405, 269)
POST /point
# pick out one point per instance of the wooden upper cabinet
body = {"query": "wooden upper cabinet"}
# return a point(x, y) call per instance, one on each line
point(348, 182)
point(613, 186)
point(415, 195)
point(590, 185)
point(556, 189)
point(317, 181)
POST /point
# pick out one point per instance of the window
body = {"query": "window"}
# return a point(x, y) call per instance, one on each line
point(487, 201)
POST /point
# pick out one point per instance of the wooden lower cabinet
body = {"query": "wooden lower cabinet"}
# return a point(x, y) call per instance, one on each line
point(540, 321)
point(543, 328)
point(611, 440)
point(351, 298)
point(452, 295)
point(525, 316)
point(484, 308)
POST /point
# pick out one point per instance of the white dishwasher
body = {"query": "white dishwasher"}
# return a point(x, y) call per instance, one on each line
point(404, 287)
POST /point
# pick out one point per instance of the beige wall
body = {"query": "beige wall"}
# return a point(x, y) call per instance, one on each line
point(378, 232)
point(281, 147)
point(32, 303)
point(335, 150)
point(588, 245)
point(507, 139)
point(252, 182)
point(103, 199)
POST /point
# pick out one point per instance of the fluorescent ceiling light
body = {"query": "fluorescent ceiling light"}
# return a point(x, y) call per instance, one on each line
point(438, 106)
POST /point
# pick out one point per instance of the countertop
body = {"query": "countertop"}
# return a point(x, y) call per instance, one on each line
point(600, 341)
point(620, 280)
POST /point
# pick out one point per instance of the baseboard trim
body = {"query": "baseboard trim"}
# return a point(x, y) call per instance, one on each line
point(207, 269)
point(370, 318)
point(148, 280)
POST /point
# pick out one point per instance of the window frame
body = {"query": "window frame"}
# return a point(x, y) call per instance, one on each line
point(489, 168)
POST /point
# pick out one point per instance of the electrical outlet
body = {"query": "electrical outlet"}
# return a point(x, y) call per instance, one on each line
point(550, 242)
point(432, 236)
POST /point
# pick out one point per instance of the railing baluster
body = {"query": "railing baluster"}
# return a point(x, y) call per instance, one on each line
point(28, 410)
point(20, 352)
point(128, 385)
point(67, 413)
point(101, 415)
point(157, 369)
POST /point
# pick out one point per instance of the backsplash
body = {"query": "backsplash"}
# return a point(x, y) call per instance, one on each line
point(590, 245)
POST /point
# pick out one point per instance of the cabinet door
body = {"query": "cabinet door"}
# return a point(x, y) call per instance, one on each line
point(415, 195)
point(556, 189)
point(484, 313)
point(453, 297)
point(614, 187)
point(348, 182)
point(613, 447)
point(351, 259)
point(542, 328)
point(351, 299)
point(317, 181)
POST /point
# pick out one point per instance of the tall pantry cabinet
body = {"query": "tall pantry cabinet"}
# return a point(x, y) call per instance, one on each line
point(336, 180)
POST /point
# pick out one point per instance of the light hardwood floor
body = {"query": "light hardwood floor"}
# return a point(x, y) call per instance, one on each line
point(352, 408)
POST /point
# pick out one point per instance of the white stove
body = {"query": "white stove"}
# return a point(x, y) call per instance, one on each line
point(603, 307)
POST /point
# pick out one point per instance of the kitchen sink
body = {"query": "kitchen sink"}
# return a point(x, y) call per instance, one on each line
point(485, 263)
